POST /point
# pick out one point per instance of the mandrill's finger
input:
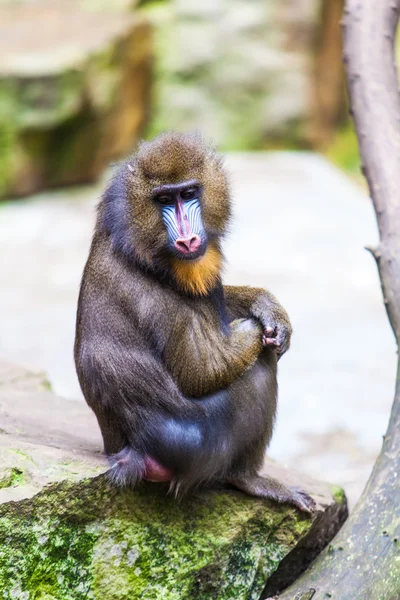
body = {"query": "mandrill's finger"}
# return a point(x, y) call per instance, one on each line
point(271, 341)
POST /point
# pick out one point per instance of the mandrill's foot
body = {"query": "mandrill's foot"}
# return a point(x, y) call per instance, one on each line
point(267, 487)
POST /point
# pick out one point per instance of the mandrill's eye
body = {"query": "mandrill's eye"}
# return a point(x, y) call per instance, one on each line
point(190, 193)
point(165, 199)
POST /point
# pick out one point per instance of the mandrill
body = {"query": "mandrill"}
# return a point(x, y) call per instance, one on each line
point(179, 369)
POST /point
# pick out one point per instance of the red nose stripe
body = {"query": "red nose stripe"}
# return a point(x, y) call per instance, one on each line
point(182, 220)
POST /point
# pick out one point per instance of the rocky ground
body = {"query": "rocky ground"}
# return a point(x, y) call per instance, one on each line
point(300, 229)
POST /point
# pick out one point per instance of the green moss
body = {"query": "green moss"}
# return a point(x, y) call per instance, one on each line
point(338, 494)
point(343, 151)
point(46, 384)
point(51, 558)
point(148, 6)
point(8, 134)
point(88, 540)
point(7, 140)
point(11, 477)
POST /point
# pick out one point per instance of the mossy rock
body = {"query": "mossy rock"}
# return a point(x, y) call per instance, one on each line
point(91, 540)
point(67, 534)
point(74, 92)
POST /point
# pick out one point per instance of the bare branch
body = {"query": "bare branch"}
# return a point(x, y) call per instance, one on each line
point(363, 562)
point(370, 30)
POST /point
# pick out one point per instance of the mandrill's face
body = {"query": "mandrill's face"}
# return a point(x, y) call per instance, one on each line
point(181, 211)
point(177, 208)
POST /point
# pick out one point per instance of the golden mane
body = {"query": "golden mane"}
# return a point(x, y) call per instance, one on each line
point(200, 276)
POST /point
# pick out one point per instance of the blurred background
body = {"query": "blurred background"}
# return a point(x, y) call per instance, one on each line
point(81, 81)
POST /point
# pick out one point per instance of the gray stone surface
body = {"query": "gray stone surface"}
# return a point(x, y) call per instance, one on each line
point(43, 438)
point(300, 228)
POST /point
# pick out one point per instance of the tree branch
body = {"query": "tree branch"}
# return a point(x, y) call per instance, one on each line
point(363, 561)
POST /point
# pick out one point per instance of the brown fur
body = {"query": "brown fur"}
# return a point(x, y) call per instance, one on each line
point(172, 362)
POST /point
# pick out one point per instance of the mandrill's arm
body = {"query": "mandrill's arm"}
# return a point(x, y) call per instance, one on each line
point(202, 360)
point(245, 302)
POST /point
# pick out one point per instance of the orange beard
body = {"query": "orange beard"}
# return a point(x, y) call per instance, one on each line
point(198, 277)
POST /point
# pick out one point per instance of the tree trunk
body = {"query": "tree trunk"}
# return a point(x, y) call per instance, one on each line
point(328, 94)
point(363, 561)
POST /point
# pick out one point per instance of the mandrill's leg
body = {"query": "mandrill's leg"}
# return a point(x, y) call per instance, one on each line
point(255, 395)
point(124, 458)
point(114, 438)
point(267, 487)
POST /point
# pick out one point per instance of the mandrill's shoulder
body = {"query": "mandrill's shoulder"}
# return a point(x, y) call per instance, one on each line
point(110, 275)
point(117, 286)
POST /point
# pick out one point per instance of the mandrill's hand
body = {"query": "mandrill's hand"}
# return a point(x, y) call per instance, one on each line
point(263, 306)
point(276, 335)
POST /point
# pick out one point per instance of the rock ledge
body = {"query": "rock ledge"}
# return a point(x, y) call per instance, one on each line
point(66, 534)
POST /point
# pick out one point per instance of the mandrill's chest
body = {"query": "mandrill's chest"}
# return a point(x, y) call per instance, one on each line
point(169, 319)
